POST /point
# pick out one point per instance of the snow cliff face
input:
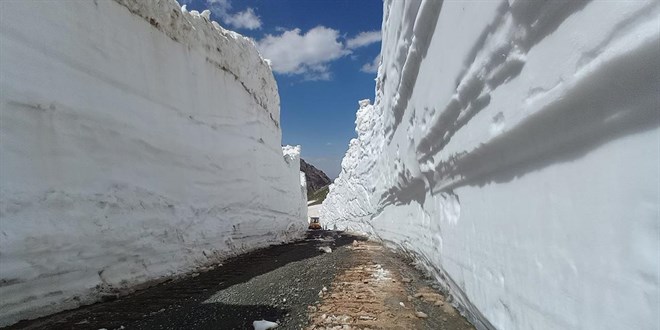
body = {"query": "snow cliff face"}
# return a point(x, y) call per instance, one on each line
point(138, 141)
point(513, 148)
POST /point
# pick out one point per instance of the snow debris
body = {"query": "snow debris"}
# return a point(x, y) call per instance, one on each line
point(264, 325)
point(380, 274)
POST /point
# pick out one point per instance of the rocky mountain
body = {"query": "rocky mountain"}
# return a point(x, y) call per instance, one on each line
point(315, 178)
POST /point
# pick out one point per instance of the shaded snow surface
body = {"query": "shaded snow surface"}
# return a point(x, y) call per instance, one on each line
point(513, 149)
point(139, 141)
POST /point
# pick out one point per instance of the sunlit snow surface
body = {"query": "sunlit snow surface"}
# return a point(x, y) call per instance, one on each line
point(138, 141)
point(513, 147)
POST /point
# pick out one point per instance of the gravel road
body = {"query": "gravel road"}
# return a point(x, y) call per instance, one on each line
point(294, 285)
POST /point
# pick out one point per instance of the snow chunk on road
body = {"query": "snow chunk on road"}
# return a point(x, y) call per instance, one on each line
point(264, 325)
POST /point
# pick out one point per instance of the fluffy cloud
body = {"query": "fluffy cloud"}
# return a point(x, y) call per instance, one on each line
point(371, 67)
point(293, 52)
point(246, 19)
point(363, 39)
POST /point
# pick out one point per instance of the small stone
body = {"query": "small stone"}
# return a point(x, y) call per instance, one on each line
point(325, 249)
point(402, 304)
point(418, 295)
point(405, 280)
point(439, 303)
point(421, 315)
point(410, 298)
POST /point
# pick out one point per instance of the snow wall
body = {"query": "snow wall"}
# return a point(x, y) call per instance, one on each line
point(138, 142)
point(514, 149)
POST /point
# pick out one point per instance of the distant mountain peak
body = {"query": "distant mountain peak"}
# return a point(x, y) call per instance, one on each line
point(315, 178)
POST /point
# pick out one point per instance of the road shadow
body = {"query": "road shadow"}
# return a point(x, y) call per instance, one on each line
point(179, 303)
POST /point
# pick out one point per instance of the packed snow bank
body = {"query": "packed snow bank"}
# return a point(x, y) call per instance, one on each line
point(513, 147)
point(138, 141)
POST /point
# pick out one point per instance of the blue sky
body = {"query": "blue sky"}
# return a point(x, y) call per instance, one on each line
point(323, 53)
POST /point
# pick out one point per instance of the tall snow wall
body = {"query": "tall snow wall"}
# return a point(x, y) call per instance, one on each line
point(513, 148)
point(138, 142)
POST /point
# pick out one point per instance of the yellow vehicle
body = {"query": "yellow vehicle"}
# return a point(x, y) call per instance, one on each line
point(314, 223)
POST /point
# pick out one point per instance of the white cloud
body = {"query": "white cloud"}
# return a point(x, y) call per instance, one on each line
point(363, 39)
point(371, 67)
point(317, 76)
point(246, 19)
point(308, 54)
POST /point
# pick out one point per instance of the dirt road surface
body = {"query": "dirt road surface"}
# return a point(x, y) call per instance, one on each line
point(359, 285)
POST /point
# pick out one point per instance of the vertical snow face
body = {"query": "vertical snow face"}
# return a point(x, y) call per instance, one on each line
point(513, 147)
point(138, 141)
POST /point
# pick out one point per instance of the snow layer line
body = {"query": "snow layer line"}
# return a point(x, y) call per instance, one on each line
point(139, 141)
point(513, 148)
